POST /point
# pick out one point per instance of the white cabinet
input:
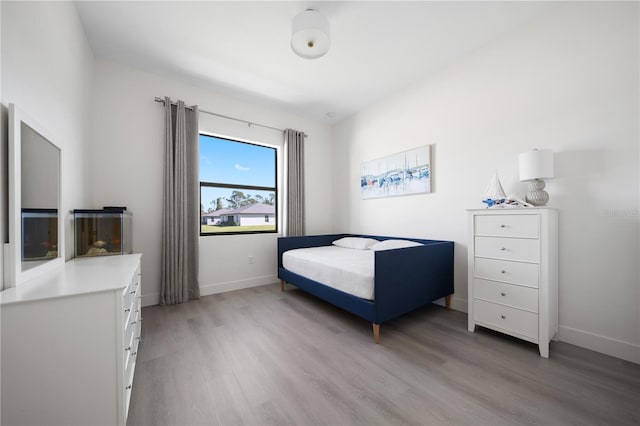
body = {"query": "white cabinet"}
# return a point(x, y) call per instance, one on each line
point(513, 273)
point(70, 342)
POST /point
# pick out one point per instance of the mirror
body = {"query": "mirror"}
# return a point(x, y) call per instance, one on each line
point(36, 228)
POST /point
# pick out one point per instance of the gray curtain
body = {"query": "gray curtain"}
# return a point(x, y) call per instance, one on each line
point(294, 149)
point(180, 205)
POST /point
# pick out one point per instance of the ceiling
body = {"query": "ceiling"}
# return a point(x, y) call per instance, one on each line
point(242, 48)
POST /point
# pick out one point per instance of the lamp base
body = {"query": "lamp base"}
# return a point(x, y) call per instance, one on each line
point(537, 195)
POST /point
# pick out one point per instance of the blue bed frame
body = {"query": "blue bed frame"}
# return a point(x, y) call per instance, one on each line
point(405, 279)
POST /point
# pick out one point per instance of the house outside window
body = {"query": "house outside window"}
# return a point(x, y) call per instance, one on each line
point(238, 187)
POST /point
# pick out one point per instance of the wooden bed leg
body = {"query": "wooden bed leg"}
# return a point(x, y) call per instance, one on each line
point(376, 333)
point(447, 301)
point(281, 285)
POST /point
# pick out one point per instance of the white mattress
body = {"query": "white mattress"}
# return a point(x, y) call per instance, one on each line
point(345, 269)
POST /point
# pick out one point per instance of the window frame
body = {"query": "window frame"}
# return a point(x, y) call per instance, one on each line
point(242, 187)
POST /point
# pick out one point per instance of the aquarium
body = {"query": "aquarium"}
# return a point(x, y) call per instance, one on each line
point(39, 234)
point(102, 232)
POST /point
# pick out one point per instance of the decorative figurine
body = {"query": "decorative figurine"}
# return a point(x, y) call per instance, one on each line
point(494, 193)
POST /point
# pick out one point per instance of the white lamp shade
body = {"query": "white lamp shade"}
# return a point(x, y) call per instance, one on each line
point(536, 164)
point(310, 34)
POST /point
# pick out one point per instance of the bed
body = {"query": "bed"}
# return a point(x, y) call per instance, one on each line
point(403, 279)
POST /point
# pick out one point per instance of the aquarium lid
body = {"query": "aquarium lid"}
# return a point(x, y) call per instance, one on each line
point(102, 210)
point(49, 211)
point(109, 210)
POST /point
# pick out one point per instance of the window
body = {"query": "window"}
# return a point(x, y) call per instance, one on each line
point(238, 187)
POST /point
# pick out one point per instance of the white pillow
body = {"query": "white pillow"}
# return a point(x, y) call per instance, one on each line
point(393, 244)
point(358, 243)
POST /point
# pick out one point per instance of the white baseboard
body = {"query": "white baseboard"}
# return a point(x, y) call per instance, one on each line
point(150, 299)
point(458, 304)
point(208, 289)
point(606, 345)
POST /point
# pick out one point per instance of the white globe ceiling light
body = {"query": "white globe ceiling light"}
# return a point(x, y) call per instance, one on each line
point(310, 34)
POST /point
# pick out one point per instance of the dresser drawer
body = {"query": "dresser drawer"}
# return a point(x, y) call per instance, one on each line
point(131, 288)
point(500, 225)
point(128, 385)
point(129, 292)
point(507, 271)
point(522, 249)
point(129, 329)
point(507, 319)
point(506, 294)
point(131, 350)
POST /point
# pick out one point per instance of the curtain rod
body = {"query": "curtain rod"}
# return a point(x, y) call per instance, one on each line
point(250, 123)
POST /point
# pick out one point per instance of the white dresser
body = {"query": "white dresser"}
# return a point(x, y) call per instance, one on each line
point(69, 343)
point(513, 273)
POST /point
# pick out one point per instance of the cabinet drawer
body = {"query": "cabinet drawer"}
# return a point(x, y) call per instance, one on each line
point(130, 354)
point(131, 301)
point(131, 325)
point(127, 298)
point(499, 225)
point(131, 289)
point(522, 249)
point(506, 319)
point(128, 385)
point(127, 398)
point(129, 331)
point(128, 312)
point(128, 293)
point(506, 294)
point(507, 271)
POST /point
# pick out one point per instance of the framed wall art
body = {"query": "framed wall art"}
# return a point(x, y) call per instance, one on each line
point(405, 173)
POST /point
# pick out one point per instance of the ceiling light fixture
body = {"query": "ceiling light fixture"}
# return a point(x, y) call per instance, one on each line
point(310, 34)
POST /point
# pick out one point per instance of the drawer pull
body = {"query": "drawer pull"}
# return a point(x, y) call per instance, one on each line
point(503, 226)
point(503, 294)
point(503, 317)
point(127, 349)
point(134, 353)
point(503, 248)
point(503, 272)
point(133, 323)
point(128, 387)
point(128, 310)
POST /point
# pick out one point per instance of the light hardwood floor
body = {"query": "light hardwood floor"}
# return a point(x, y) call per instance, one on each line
point(260, 356)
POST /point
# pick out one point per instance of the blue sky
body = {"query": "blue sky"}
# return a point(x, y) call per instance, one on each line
point(224, 161)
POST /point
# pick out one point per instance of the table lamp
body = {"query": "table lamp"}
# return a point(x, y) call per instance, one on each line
point(536, 165)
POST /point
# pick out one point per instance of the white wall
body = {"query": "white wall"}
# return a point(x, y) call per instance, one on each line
point(568, 82)
point(127, 167)
point(47, 71)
